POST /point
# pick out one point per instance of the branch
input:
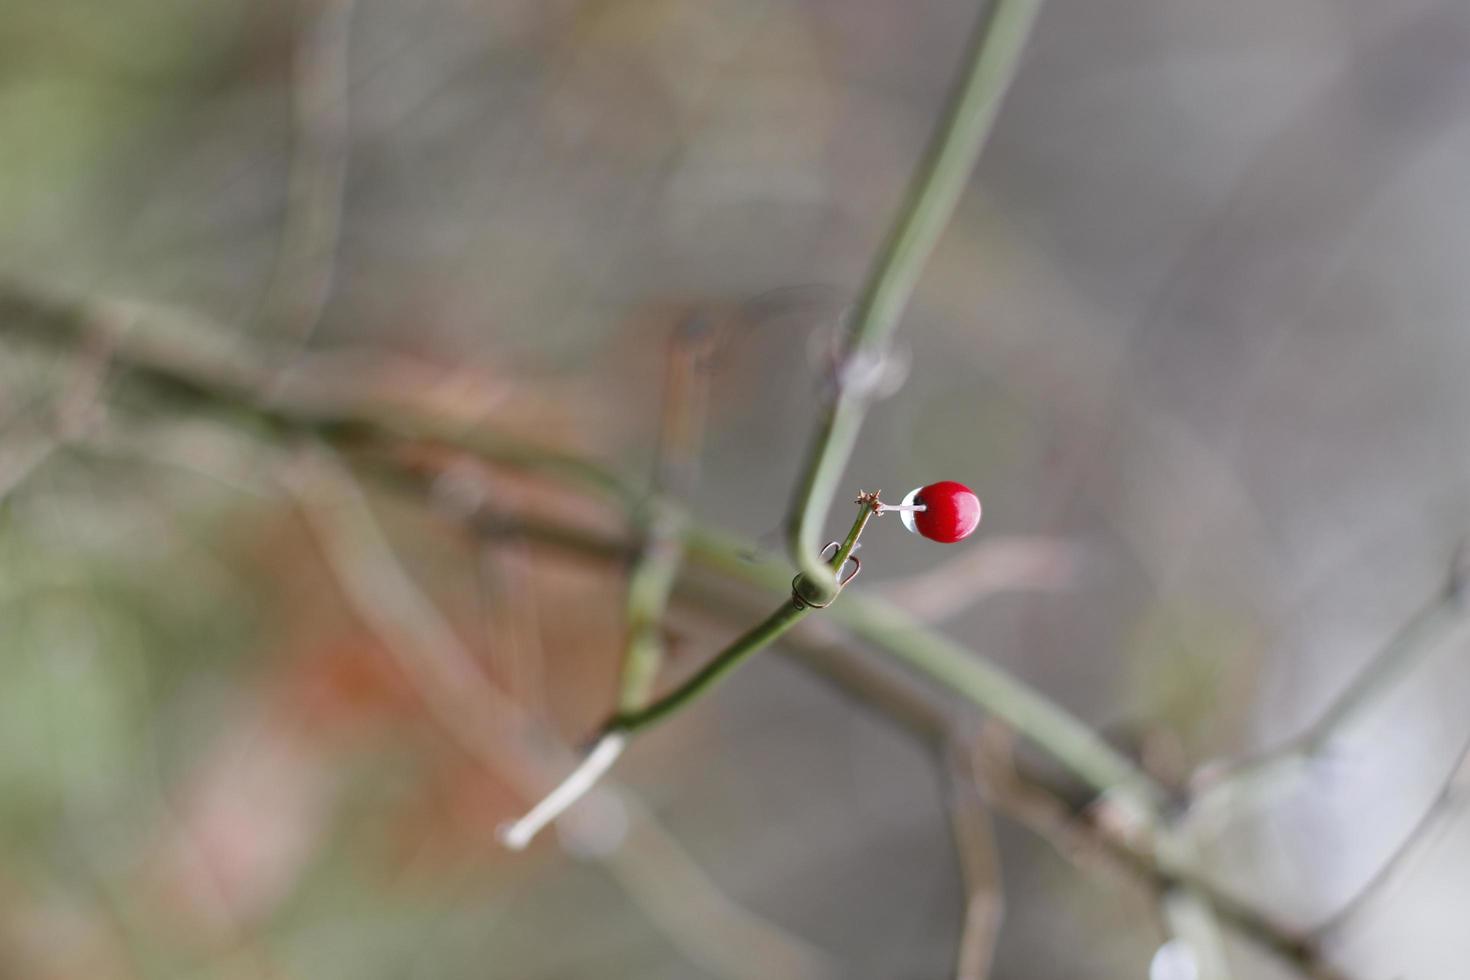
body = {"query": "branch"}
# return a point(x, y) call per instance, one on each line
point(656, 565)
point(991, 62)
point(307, 257)
point(1447, 794)
point(997, 564)
point(979, 864)
point(954, 667)
point(1190, 919)
point(228, 386)
point(1259, 778)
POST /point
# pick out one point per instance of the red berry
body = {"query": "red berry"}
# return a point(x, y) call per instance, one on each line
point(951, 511)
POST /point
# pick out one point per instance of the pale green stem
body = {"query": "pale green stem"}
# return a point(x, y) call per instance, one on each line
point(957, 669)
point(992, 58)
point(655, 567)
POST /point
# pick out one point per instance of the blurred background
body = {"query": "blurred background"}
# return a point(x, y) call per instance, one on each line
point(1196, 335)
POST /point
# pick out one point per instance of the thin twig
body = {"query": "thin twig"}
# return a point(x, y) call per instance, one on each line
point(757, 638)
point(228, 385)
point(656, 566)
point(1223, 790)
point(517, 834)
point(1447, 795)
point(997, 564)
point(979, 864)
point(991, 61)
point(20, 458)
point(1190, 919)
point(307, 259)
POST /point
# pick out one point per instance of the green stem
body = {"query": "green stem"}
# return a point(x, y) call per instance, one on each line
point(757, 638)
point(655, 567)
point(954, 667)
point(650, 583)
point(993, 57)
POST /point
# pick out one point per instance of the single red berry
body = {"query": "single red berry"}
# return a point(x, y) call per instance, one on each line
point(950, 513)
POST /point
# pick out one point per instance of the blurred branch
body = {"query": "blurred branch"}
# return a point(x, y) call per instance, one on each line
point(492, 729)
point(228, 386)
point(714, 931)
point(974, 838)
point(1458, 778)
point(661, 550)
point(421, 642)
point(991, 61)
point(510, 610)
point(1260, 778)
point(72, 416)
point(997, 564)
point(1190, 919)
point(19, 458)
point(307, 260)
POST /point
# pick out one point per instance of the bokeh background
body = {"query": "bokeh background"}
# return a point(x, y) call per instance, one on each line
point(1197, 332)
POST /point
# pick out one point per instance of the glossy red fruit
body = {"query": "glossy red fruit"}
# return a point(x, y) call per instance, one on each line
point(951, 511)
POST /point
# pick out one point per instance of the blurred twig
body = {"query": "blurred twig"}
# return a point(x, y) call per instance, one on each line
point(1191, 922)
point(661, 550)
point(1459, 776)
point(493, 730)
point(979, 863)
point(228, 385)
point(1255, 779)
point(990, 566)
point(19, 458)
point(307, 259)
point(991, 61)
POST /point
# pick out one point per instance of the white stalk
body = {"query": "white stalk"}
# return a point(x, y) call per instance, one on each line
point(517, 834)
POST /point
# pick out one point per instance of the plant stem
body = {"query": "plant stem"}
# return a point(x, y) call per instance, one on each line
point(519, 833)
point(955, 668)
point(655, 567)
point(993, 56)
point(227, 385)
point(762, 635)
